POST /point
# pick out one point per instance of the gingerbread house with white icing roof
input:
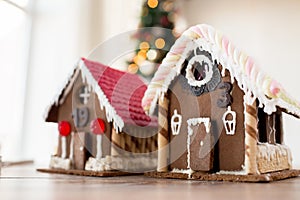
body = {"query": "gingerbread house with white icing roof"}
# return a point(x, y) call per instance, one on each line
point(101, 123)
point(218, 113)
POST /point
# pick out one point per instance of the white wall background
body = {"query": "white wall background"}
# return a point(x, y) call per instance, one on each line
point(63, 31)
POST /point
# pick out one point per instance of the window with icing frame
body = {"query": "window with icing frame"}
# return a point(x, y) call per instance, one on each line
point(201, 71)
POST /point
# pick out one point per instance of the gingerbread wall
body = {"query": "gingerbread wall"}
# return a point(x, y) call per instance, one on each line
point(219, 151)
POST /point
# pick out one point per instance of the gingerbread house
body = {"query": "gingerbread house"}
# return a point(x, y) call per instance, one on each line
point(218, 112)
point(102, 126)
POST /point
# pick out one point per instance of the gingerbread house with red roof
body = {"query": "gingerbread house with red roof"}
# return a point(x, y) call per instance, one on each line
point(102, 126)
point(220, 116)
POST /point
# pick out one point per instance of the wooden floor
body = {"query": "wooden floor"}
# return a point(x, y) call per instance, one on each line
point(20, 183)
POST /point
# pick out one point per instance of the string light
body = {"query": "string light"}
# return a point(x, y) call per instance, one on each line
point(152, 3)
point(160, 43)
point(147, 68)
point(144, 46)
point(136, 59)
point(142, 54)
point(133, 68)
point(152, 54)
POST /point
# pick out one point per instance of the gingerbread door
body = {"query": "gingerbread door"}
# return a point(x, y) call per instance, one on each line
point(80, 151)
point(199, 144)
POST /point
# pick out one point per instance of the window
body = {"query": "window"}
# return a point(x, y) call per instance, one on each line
point(14, 39)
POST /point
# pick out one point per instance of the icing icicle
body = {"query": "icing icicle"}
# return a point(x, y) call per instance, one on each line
point(111, 114)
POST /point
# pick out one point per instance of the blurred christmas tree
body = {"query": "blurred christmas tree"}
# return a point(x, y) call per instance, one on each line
point(155, 36)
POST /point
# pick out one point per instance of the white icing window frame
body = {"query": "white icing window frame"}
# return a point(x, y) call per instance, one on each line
point(189, 71)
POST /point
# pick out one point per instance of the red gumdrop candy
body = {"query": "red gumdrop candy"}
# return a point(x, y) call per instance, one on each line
point(64, 128)
point(97, 126)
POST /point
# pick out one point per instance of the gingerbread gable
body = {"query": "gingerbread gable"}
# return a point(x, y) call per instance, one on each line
point(254, 83)
point(120, 93)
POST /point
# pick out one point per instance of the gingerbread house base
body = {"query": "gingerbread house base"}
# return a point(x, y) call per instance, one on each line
point(87, 173)
point(200, 176)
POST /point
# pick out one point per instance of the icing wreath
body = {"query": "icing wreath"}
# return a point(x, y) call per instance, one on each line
point(201, 72)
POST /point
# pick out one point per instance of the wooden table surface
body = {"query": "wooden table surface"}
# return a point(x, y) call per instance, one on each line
point(23, 182)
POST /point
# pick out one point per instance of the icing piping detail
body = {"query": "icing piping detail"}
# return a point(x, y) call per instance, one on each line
point(99, 147)
point(207, 67)
point(202, 73)
point(84, 94)
point(176, 122)
point(71, 156)
point(229, 125)
point(63, 147)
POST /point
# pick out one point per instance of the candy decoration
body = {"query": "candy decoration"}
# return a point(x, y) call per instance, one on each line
point(250, 138)
point(64, 128)
point(98, 127)
point(275, 88)
point(163, 136)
